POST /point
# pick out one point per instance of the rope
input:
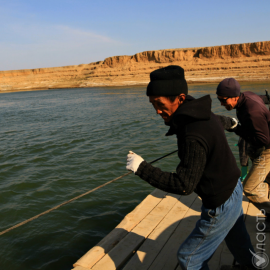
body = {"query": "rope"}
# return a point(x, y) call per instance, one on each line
point(71, 200)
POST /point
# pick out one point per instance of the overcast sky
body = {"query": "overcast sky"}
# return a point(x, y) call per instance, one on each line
point(51, 33)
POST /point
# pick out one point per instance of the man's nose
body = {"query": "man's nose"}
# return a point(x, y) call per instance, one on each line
point(158, 111)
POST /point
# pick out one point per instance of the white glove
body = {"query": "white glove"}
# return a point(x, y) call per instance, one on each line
point(236, 123)
point(133, 161)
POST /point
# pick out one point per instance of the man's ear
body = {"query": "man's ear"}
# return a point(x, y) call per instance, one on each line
point(181, 98)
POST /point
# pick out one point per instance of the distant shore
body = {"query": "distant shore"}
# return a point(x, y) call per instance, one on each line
point(130, 85)
point(248, 62)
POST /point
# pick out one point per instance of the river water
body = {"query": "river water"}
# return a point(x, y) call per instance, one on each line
point(57, 144)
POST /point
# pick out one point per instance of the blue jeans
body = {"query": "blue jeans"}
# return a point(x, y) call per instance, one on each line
point(215, 225)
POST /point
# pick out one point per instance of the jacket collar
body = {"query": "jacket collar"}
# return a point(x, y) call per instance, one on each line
point(191, 110)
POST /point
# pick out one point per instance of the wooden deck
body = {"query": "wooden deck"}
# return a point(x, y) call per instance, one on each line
point(149, 236)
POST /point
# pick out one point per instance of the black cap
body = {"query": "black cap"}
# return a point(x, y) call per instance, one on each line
point(229, 87)
point(168, 81)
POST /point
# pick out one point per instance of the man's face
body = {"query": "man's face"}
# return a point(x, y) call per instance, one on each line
point(164, 107)
point(228, 102)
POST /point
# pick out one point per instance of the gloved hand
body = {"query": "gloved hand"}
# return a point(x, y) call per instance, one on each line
point(234, 123)
point(133, 161)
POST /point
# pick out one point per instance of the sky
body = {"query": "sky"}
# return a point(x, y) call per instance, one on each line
point(52, 33)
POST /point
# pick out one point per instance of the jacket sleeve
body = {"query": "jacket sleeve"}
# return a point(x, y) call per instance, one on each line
point(188, 172)
point(226, 122)
point(256, 132)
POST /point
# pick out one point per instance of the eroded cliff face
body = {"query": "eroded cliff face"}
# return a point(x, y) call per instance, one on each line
point(245, 62)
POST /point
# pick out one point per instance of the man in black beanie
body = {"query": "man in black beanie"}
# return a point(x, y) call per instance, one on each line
point(253, 127)
point(202, 169)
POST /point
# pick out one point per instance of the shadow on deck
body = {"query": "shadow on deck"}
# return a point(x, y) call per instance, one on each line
point(150, 235)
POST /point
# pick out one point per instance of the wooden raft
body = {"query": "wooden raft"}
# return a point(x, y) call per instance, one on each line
point(150, 235)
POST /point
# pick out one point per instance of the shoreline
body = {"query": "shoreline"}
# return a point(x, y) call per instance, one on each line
point(189, 82)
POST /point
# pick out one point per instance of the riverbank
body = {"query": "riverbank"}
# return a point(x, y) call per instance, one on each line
point(245, 62)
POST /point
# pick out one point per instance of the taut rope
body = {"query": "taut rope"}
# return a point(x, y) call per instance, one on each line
point(71, 200)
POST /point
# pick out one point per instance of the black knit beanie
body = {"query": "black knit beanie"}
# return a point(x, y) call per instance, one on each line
point(168, 81)
point(229, 87)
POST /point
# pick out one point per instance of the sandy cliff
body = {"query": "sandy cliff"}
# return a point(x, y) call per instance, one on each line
point(245, 62)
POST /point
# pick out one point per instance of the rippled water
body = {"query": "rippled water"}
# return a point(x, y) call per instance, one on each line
point(57, 144)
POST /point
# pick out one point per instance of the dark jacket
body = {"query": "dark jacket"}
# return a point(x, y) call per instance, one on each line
point(254, 119)
point(194, 121)
point(244, 148)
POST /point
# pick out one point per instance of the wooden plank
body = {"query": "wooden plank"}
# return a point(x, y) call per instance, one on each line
point(251, 222)
point(126, 225)
point(167, 258)
point(255, 235)
point(122, 252)
point(267, 249)
point(245, 205)
point(80, 268)
point(146, 254)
